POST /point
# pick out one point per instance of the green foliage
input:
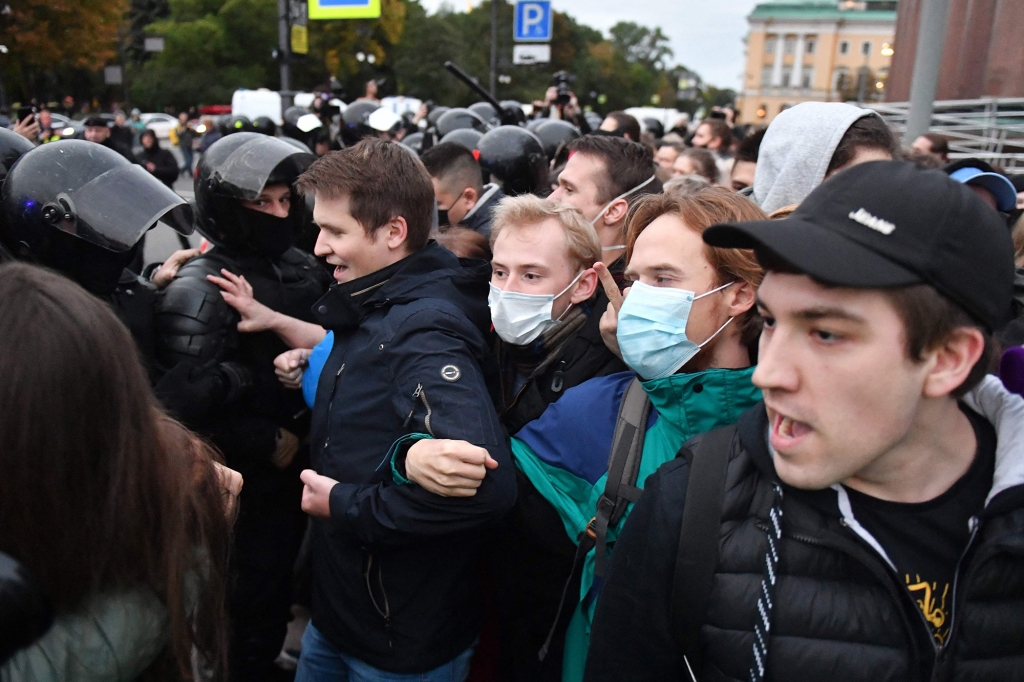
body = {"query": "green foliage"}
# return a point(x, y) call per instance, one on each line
point(213, 47)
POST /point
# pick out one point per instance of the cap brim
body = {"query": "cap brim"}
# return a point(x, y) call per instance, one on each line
point(824, 255)
point(1004, 191)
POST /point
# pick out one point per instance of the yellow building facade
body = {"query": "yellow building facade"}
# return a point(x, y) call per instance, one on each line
point(815, 50)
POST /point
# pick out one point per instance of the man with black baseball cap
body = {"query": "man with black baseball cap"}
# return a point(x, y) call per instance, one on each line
point(865, 522)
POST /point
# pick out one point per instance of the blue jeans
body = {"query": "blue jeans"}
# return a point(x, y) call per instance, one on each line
point(321, 662)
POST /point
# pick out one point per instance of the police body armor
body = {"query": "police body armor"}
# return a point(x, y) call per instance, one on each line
point(195, 326)
point(83, 210)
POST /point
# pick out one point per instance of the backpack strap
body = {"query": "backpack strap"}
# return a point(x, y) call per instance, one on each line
point(623, 466)
point(697, 553)
point(619, 490)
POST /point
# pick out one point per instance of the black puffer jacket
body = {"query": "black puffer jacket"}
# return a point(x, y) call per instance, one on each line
point(840, 612)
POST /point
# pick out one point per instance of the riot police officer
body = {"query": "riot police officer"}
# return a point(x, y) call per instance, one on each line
point(245, 208)
point(83, 210)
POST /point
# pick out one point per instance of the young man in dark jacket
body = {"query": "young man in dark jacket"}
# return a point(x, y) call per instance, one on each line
point(394, 566)
point(870, 515)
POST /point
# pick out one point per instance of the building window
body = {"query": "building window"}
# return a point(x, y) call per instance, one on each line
point(865, 48)
point(787, 76)
point(769, 45)
point(766, 77)
point(810, 45)
point(844, 47)
point(789, 47)
point(840, 78)
point(807, 79)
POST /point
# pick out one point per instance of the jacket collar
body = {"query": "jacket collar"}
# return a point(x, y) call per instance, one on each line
point(698, 402)
point(490, 193)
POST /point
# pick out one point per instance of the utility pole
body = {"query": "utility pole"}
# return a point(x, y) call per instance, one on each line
point(284, 53)
point(494, 47)
point(931, 34)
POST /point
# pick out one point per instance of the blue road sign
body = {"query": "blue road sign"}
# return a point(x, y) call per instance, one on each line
point(533, 21)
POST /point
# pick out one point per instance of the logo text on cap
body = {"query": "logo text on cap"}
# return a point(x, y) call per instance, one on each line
point(874, 222)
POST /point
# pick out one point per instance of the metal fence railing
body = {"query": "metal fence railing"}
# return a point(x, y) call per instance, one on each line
point(991, 129)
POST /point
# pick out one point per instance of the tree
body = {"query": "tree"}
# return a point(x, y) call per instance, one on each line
point(641, 45)
point(48, 38)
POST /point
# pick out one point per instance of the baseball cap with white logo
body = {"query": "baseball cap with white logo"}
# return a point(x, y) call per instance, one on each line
point(890, 224)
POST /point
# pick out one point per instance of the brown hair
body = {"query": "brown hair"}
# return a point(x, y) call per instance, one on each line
point(626, 124)
point(940, 143)
point(867, 132)
point(719, 129)
point(704, 161)
point(382, 180)
point(929, 319)
point(627, 165)
point(700, 211)
point(102, 493)
point(464, 242)
point(581, 241)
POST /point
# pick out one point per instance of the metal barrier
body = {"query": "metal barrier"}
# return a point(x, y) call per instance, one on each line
point(991, 129)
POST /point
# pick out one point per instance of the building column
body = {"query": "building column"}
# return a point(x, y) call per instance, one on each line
point(798, 62)
point(780, 41)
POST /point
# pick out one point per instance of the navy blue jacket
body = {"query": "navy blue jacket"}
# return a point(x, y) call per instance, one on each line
point(395, 567)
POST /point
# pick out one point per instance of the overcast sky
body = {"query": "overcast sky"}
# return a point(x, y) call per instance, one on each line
point(706, 35)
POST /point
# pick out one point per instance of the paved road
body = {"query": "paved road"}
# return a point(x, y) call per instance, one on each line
point(162, 241)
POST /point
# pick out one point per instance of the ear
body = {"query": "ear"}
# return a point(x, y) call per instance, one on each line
point(471, 195)
point(739, 297)
point(952, 361)
point(395, 233)
point(585, 288)
point(616, 213)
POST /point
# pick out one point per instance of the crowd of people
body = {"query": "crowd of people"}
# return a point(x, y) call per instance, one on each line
point(470, 395)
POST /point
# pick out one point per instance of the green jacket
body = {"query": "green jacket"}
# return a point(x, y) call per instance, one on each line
point(686, 405)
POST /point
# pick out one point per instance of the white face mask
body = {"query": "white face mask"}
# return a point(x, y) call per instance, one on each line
point(621, 196)
point(520, 318)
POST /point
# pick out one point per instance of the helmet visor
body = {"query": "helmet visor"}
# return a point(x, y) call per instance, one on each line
point(244, 173)
point(116, 208)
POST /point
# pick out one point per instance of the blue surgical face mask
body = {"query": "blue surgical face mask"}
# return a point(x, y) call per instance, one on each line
point(652, 329)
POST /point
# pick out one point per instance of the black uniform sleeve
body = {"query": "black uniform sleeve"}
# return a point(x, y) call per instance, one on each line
point(632, 639)
point(440, 390)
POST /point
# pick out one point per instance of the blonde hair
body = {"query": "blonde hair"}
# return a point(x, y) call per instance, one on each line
point(526, 210)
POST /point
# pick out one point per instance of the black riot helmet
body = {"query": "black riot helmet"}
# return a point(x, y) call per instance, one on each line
point(553, 133)
point(239, 167)
point(82, 209)
point(513, 110)
point(654, 127)
point(467, 137)
point(436, 113)
point(299, 123)
point(515, 158)
point(536, 123)
point(413, 142)
point(354, 126)
point(486, 111)
point(12, 146)
point(239, 124)
point(264, 125)
point(456, 119)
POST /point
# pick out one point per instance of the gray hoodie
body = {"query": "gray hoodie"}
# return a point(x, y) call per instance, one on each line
point(797, 149)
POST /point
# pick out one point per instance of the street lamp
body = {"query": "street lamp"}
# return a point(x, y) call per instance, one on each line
point(887, 50)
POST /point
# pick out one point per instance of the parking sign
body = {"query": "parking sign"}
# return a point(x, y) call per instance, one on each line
point(533, 21)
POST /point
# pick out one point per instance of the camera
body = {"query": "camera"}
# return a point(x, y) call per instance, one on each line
point(562, 82)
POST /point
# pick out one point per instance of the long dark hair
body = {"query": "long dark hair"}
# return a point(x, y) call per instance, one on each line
point(99, 491)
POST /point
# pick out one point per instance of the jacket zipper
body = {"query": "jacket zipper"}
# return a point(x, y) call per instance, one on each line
point(421, 395)
point(330, 403)
point(941, 651)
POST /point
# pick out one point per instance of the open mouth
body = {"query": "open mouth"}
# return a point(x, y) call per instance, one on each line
point(788, 432)
point(340, 272)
